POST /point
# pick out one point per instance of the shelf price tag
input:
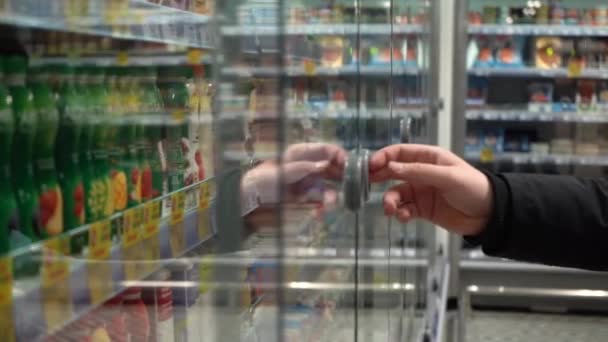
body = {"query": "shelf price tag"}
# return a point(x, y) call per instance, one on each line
point(575, 67)
point(204, 196)
point(178, 202)
point(151, 219)
point(122, 58)
point(206, 270)
point(6, 281)
point(100, 240)
point(486, 155)
point(130, 231)
point(310, 68)
point(194, 56)
point(55, 267)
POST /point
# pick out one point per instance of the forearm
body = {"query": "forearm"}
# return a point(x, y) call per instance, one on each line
point(556, 220)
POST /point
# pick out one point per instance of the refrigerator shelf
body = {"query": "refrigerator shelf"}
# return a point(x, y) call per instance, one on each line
point(321, 29)
point(530, 158)
point(522, 115)
point(133, 19)
point(173, 242)
point(156, 59)
point(537, 72)
point(539, 30)
point(297, 71)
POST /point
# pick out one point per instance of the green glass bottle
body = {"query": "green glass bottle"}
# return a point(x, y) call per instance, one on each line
point(22, 168)
point(115, 115)
point(9, 215)
point(51, 198)
point(128, 137)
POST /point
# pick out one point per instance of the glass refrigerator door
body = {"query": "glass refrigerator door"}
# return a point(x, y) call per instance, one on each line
point(307, 92)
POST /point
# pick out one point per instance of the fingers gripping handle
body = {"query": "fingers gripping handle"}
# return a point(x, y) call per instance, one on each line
point(356, 186)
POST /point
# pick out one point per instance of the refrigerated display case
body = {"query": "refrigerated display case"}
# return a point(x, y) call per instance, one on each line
point(535, 79)
point(198, 171)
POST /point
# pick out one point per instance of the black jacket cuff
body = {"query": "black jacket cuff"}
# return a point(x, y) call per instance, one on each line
point(492, 237)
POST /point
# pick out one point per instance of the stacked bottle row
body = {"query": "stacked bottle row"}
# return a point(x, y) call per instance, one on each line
point(80, 144)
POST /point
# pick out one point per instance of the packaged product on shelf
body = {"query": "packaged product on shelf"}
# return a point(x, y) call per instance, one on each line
point(547, 52)
point(542, 14)
point(9, 215)
point(572, 16)
point(332, 54)
point(490, 14)
point(517, 140)
point(562, 146)
point(493, 139)
point(67, 148)
point(22, 168)
point(480, 51)
point(540, 97)
point(557, 13)
point(601, 15)
point(602, 96)
point(137, 318)
point(205, 153)
point(159, 302)
point(45, 171)
point(586, 95)
point(115, 115)
point(102, 196)
point(509, 51)
point(475, 18)
point(564, 95)
point(477, 91)
point(540, 148)
point(206, 7)
point(409, 52)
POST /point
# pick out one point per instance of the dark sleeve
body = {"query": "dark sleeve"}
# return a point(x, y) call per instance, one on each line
point(555, 220)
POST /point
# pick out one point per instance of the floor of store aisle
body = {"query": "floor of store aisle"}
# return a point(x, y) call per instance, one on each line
point(490, 326)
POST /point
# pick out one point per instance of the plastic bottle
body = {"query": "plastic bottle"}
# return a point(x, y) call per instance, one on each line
point(128, 136)
point(51, 198)
point(153, 180)
point(67, 147)
point(115, 111)
point(9, 216)
point(99, 144)
point(175, 95)
point(22, 169)
point(81, 82)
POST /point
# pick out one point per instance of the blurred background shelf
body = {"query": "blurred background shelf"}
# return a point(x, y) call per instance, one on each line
point(522, 115)
point(530, 158)
point(321, 29)
point(133, 19)
point(601, 74)
point(539, 30)
point(297, 71)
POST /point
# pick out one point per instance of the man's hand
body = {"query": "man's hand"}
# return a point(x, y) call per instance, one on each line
point(437, 186)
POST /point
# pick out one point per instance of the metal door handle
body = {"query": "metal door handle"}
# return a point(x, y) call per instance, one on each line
point(405, 129)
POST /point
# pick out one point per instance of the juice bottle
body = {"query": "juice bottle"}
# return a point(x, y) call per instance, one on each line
point(115, 110)
point(50, 196)
point(22, 168)
point(9, 216)
point(67, 148)
point(175, 97)
point(101, 197)
point(153, 182)
point(128, 137)
point(85, 156)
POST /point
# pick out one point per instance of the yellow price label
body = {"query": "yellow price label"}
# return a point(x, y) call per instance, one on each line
point(575, 67)
point(55, 267)
point(194, 56)
point(178, 204)
point(122, 58)
point(486, 155)
point(151, 219)
point(100, 240)
point(6, 281)
point(130, 231)
point(204, 196)
point(310, 68)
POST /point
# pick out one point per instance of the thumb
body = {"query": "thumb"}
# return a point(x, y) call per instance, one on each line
point(422, 174)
